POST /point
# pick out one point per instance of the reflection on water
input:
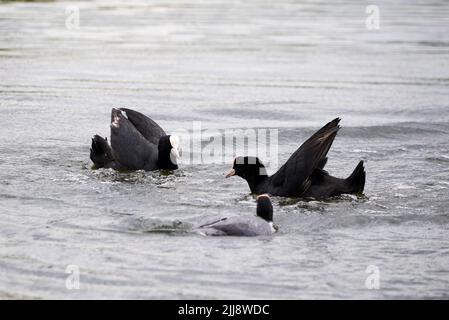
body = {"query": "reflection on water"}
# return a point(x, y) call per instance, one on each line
point(240, 64)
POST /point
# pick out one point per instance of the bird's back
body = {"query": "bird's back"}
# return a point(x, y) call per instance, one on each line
point(238, 226)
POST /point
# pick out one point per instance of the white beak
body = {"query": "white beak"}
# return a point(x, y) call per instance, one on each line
point(230, 173)
point(174, 152)
point(174, 155)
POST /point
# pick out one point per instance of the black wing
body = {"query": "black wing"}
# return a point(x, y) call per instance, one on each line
point(149, 129)
point(129, 147)
point(292, 179)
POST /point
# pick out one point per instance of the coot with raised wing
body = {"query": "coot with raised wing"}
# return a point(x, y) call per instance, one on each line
point(303, 175)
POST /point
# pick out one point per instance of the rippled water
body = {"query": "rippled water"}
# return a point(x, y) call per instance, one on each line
point(292, 65)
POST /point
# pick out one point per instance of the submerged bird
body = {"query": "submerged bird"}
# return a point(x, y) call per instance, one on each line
point(137, 143)
point(303, 175)
point(259, 225)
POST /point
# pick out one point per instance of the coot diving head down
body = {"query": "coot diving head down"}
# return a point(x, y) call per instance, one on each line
point(137, 143)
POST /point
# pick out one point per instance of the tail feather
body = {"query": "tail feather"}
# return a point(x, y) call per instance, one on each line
point(356, 181)
point(100, 152)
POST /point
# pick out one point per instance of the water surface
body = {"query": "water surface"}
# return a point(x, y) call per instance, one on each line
point(291, 65)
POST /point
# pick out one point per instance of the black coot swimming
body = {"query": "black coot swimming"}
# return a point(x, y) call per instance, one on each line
point(259, 225)
point(137, 143)
point(303, 175)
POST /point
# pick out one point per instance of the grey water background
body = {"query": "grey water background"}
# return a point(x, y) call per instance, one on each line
point(290, 65)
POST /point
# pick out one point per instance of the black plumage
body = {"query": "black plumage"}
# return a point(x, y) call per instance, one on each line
point(137, 143)
point(303, 174)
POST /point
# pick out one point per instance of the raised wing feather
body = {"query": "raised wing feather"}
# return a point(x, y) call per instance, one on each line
point(149, 129)
point(292, 179)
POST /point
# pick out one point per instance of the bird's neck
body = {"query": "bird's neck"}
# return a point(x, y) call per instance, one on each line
point(165, 163)
point(255, 182)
